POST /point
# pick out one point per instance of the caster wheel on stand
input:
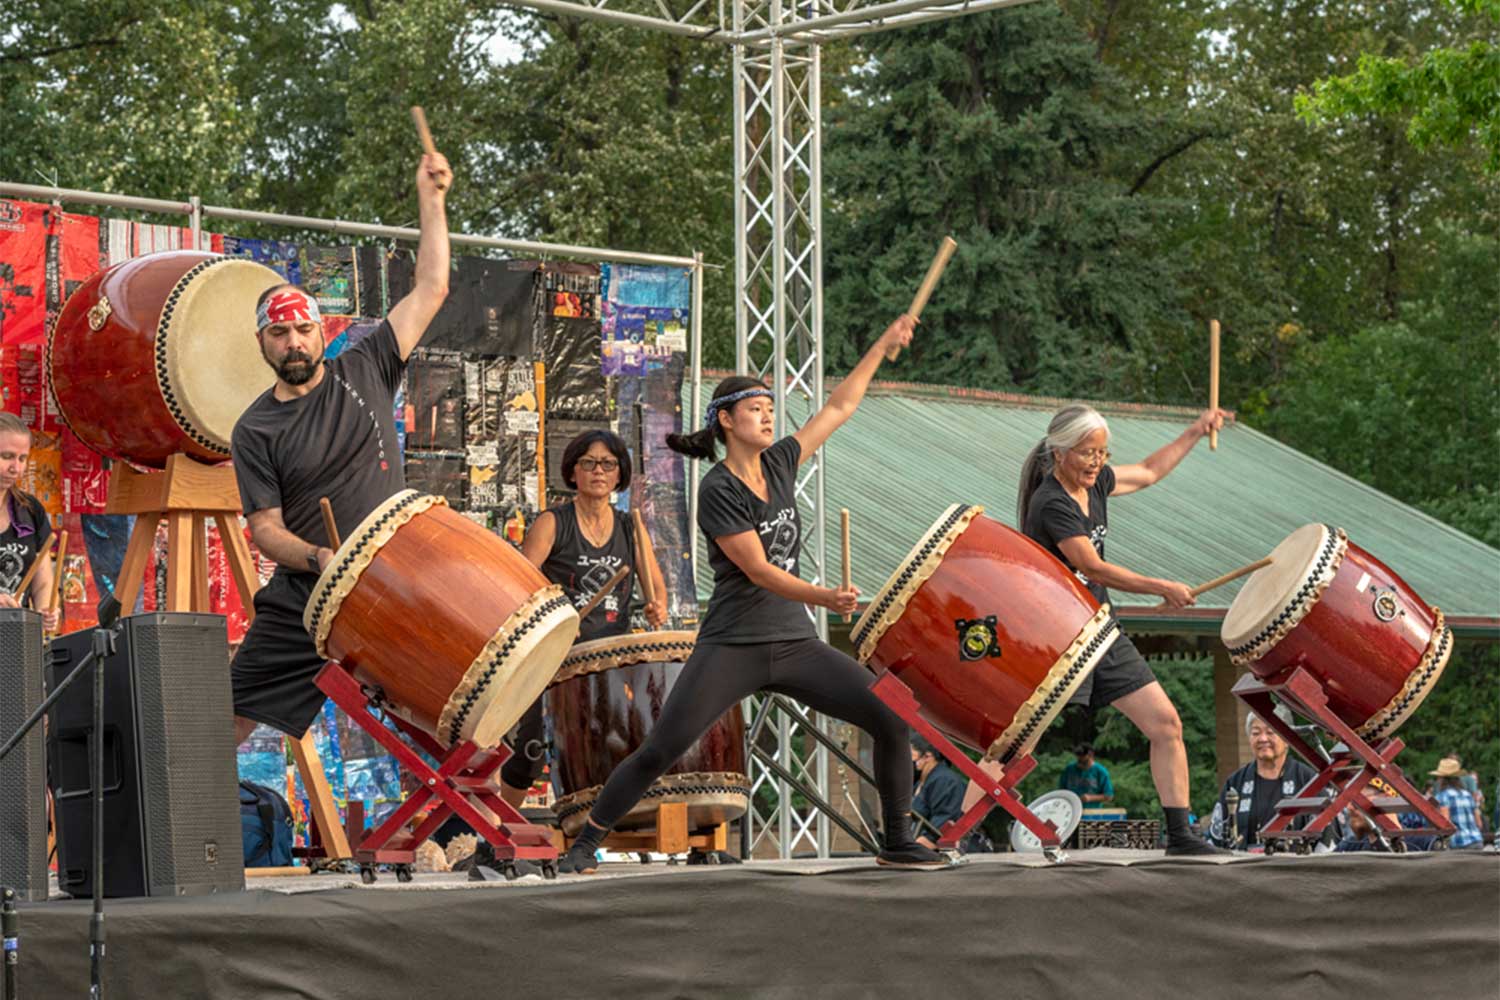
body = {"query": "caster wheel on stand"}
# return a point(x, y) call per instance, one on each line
point(549, 870)
point(403, 873)
point(367, 874)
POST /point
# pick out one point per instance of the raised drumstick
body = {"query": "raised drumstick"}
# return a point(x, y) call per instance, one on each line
point(330, 526)
point(934, 272)
point(419, 117)
point(62, 548)
point(1213, 378)
point(612, 583)
point(848, 568)
point(20, 591)
point(643, 555)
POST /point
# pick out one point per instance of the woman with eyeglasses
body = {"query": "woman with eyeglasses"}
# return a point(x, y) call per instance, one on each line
point(1066, 484)
point(757, 634)
point(579, 545)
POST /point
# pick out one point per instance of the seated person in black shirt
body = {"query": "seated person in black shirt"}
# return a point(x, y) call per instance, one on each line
point(758, 634)
point(579, 545)
point(940, 791)
point(1272, 776)
point(325, 429)
point(24, 527)
point(1065, 485)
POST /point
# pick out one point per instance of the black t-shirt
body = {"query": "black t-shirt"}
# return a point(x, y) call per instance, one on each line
point(26, 535)
point(581, 569)
point(337, 441)
point(1054, 516)
point(739, 612)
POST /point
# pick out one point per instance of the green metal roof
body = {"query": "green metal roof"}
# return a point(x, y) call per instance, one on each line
point(911, 450)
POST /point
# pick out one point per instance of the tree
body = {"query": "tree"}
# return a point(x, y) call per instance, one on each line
point(1451, 95)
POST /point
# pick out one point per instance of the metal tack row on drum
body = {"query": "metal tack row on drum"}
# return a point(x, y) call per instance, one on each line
point(993, 634)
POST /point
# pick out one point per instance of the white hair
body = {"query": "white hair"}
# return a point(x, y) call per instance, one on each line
point(1068, 427)
point(1282, 712)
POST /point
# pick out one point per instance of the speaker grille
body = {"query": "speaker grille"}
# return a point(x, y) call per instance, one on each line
point(186, 753)
point(23, 802)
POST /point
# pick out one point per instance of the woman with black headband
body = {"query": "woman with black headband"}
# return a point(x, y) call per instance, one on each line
point(757, 634)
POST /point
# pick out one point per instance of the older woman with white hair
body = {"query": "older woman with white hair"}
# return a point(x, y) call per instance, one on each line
point(1272, 775)
point(1066, 484)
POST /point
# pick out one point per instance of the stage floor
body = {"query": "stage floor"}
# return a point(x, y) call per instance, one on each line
point(1102, 923)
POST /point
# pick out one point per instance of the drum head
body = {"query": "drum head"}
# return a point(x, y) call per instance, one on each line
point(208, 361)
point(598, 655)
point(1062, 808)
point(1272, 589)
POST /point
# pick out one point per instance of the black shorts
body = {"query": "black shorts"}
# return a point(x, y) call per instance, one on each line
point(272, 674)
point(1122, 670)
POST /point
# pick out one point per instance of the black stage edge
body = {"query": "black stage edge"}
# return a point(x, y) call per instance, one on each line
point(1326, 926)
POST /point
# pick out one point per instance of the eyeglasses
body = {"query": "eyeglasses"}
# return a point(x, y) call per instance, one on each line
point(603, 464)
point(1093, 455)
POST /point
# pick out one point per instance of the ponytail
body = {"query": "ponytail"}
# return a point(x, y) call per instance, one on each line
point(1068, 426)
point(703, 443)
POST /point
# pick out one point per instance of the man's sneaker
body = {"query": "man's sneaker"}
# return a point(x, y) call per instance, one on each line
point(580, 860)
point(911, 855)
point(1194, 846)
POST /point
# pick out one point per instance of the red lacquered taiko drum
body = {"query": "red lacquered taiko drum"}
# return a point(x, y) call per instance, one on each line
point(157, 356)
point(605, 700)
point(1328, 606)
point(454, 627)
point(988, 629)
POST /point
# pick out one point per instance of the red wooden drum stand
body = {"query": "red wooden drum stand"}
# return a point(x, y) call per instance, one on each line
point(456, 787)
point(1357, 772)
point(899, 698)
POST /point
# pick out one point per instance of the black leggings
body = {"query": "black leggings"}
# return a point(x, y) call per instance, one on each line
point(715, 678)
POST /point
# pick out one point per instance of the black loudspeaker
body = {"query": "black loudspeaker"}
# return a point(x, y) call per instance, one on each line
point(23, 774)
point(171, 803)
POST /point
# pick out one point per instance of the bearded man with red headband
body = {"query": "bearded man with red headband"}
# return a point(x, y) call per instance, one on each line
point(325, 429)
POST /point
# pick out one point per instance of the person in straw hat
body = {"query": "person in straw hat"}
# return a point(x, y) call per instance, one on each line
point(1457, 804)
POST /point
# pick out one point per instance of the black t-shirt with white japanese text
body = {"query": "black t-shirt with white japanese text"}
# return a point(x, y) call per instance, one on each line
point(739, 612)
point(23, 538)
point(337, 441)
point(581, 569)
point(1054, 516)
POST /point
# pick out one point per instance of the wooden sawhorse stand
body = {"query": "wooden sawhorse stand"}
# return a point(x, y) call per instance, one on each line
point(899, 698)
point(671, 836)
point(1356, 772)
point(188, 494)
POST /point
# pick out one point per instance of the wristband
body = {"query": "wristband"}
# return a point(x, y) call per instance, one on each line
point(312, 559)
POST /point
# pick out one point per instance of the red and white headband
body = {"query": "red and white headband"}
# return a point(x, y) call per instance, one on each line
point(289, 305)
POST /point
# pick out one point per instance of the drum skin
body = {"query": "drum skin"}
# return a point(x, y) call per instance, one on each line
point(600, 718)
point(1039, 608)
point(105, 379)
point(1362, 662)
point(420, 620)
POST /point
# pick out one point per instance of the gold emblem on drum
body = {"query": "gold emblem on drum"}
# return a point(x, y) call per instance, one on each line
point(99, 313)
point(1386, 607)
point(978, 637)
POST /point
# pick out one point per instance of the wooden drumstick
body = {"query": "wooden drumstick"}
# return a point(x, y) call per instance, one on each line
point(1213, 378)
point(934, 272)
point(614, 582)
point(330, 526)
point(20, 592)
point(848, 569)
point(643, 555)
point(57, 562)
point(419, 117)
point(1219, 581)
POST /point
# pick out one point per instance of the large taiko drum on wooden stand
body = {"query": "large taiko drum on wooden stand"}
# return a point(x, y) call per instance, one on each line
point(452, 628)
point(1328, 606)
point(605, 700)
point(990, 631)
point(157, 356)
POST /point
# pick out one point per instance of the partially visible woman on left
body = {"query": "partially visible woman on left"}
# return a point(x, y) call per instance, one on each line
point(24, 528)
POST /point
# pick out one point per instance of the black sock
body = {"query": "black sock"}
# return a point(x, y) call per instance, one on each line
point(589, 838)
point(1178, 827)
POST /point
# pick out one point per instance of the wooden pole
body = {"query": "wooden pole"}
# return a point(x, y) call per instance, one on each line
point(934, 272)
point(1213, 378)
point(1219, 581)
point(614, 582)
point(848, 568)
point(330, 526)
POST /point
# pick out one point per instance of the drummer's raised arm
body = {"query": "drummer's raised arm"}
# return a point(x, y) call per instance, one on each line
point(410, 317)
point(844, 400)
point(1129, 478)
